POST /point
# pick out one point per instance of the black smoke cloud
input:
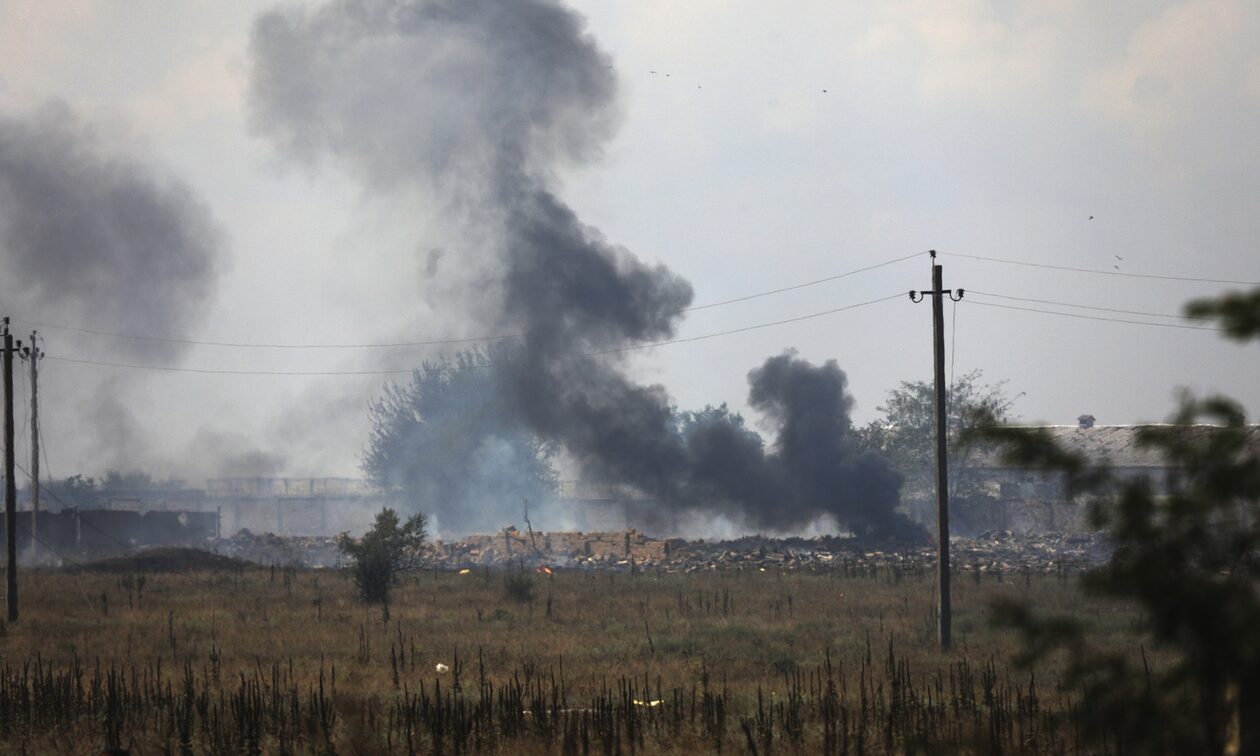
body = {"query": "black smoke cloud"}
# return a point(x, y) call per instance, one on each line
point(476, 98)
point(88, 235)
point(814, 466)
point(481, 103)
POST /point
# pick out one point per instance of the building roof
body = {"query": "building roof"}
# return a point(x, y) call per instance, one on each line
point(1116, 444)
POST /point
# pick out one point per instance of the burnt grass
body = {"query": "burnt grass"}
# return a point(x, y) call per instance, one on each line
point(284, 661)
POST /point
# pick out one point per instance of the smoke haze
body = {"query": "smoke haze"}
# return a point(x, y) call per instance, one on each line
point(93, 235)
point(98, 236)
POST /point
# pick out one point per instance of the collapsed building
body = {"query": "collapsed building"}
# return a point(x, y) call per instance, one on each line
point(633, 551)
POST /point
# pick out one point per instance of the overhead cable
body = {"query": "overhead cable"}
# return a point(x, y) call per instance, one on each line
point(402, 371)
point(428, 342)
point(794, 287)
point(1121, 311)
point(254, 345)
point(1100, 271)
point(1083, 316)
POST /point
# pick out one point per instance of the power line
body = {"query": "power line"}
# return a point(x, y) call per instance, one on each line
point(87, 522)
point(1082, 316)
point(50, 549)
point(402, 371)
point(438, 341)
point(252, 345)
point(746, 328)
point(1081, 306)
point(172, 369)
point(1102, 272)
point(803, 285)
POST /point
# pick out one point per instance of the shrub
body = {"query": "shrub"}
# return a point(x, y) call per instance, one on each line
point(519, 586)
point(387, 550)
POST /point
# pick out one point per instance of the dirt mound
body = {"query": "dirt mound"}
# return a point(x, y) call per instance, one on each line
point(169, 559)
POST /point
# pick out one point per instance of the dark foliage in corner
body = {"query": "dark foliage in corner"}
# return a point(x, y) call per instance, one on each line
point(1187, 551)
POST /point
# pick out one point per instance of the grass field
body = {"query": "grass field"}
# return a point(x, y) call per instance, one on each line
point(283, 661)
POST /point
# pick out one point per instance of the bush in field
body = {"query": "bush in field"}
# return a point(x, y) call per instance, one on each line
point(390, 548)
point(519, 586)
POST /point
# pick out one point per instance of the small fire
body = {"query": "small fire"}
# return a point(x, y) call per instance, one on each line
point(544, 570)
point(465, 571)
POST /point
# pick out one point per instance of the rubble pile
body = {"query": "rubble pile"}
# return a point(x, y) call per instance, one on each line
point(997, 551)
point(994, 551)
point(1006, 551)
point(563, 549)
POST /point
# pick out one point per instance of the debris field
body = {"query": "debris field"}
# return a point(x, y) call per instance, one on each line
point(631, 550)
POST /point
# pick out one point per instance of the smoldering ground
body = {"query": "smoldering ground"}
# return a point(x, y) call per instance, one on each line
point(478, 105)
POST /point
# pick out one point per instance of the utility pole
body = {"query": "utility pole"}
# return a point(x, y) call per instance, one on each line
point(10, 483)
point(34, 354)
point(938, 293)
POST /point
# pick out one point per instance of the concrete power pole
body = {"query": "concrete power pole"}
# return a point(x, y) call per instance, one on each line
point(10, 483)
point(34, 355)
point(938, 293)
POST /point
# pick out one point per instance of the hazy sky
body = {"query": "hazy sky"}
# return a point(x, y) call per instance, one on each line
point(757, 148)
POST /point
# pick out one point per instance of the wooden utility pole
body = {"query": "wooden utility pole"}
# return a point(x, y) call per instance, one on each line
point(10, 483)
point(938, 294)
point(34, 355)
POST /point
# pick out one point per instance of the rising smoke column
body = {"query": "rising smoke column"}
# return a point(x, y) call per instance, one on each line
point(480, 103)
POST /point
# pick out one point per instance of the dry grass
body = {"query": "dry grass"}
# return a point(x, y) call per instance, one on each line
point(321, 672)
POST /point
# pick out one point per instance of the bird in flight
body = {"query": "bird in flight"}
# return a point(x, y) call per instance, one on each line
point(1091, 217)
point(1118, 257)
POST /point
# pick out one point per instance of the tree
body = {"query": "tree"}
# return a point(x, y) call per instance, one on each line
point(136, 480)
point(446, 443)
point(387, 550)
point(907, 433)
point(1187, 552)
point(74, 491)
point(688, 421)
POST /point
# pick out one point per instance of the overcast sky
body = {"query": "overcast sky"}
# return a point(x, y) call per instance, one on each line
point(756, 149)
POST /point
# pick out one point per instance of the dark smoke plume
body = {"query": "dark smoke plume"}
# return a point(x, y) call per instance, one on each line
point(89, 236)
point(814, 465)
point(482, 102)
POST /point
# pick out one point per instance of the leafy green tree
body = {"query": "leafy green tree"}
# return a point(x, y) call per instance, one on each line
point(390, 548)
point(906, 435)
point(1187, 552)
point(446, 443)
